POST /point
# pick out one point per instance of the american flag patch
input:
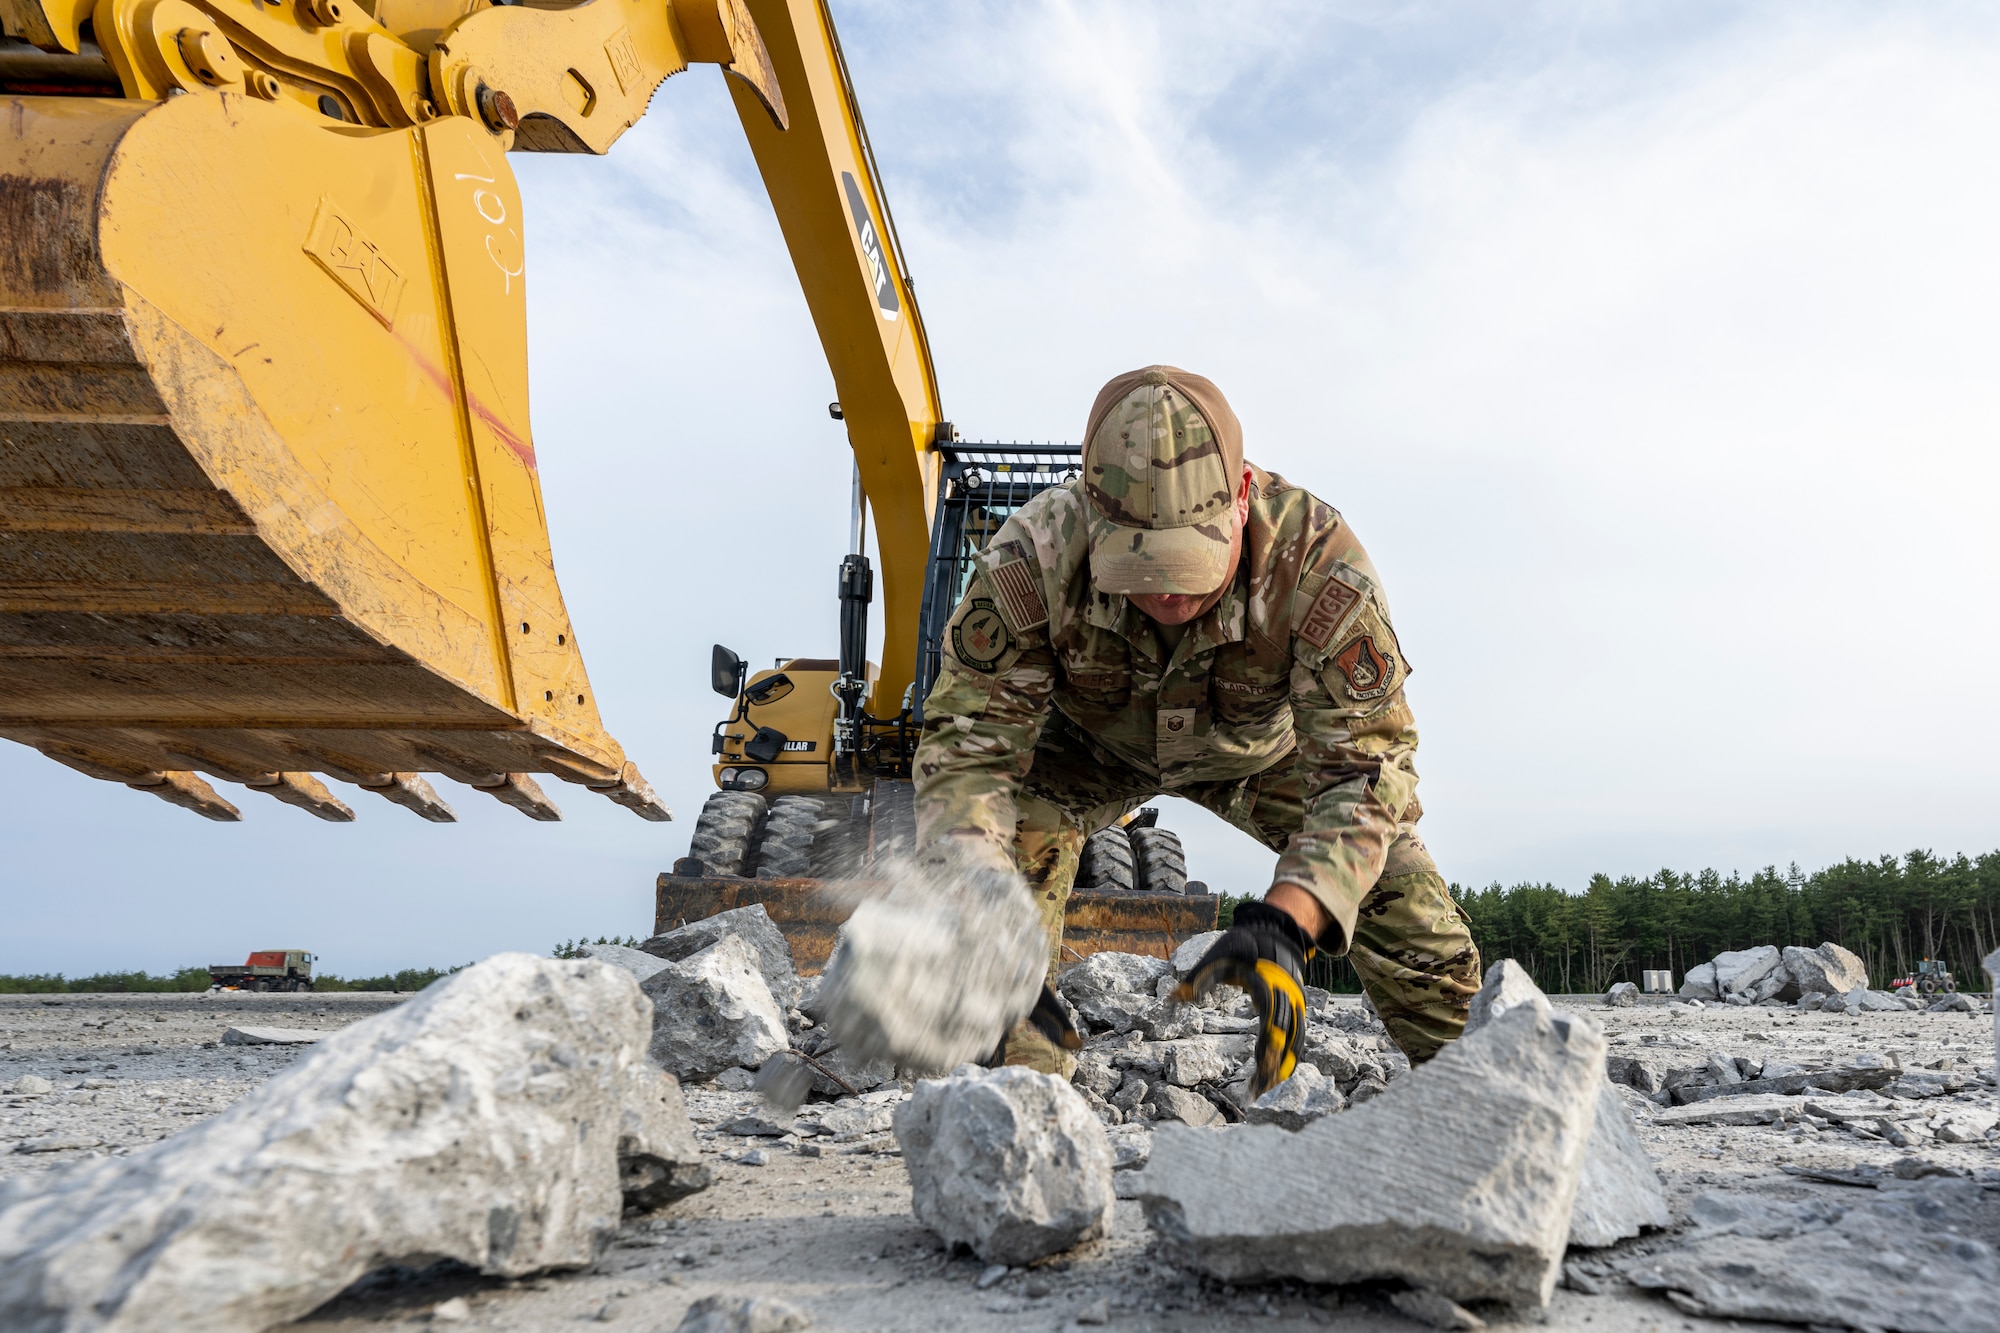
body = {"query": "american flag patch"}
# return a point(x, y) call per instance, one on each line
point(1329, 610)
point(1020, 596)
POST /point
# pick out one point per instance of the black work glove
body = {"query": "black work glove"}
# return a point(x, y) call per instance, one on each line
point(1052, 1021)
point(1265, 952)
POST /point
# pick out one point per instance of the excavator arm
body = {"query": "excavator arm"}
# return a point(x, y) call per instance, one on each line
point(835, 217)
point(269, 505)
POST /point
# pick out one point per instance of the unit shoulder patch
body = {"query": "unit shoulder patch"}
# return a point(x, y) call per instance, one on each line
point(1368, 670)
point(1014, 579)
point(980, 637)
point(1329, 611)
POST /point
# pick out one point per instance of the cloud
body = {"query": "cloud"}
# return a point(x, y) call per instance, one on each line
point(1647, 346)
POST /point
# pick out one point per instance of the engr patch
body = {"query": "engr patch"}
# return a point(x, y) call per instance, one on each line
point(1328, 613)
point(981, 637)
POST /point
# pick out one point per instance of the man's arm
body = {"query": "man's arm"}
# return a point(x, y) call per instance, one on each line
point(1357, 744)
point(982, 719)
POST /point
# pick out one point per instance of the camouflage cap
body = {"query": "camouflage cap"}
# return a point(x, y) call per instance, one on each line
point(1162, 458)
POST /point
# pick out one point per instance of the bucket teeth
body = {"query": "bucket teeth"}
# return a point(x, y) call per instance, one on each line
point(410, 791)
point(636, 794)
point(175, 786)
point(305, 791)
point(189, 792)
point(522, 792)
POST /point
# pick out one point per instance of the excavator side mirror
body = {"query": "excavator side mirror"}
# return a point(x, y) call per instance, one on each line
point(770, 689)
point(725, 672)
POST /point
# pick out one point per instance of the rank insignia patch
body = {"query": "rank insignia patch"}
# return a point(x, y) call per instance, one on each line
point(981, 638)
point(1367, 668)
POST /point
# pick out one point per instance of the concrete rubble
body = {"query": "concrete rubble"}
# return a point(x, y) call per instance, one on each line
point(502, 1118)
point(753, 925)
point(739, 1314)
point(636, 961)
point(1620, 1193)
point(1346, 1200)
point(257, 1036)
point(1306, 1096)
point(713, 1011)
point(1901, 1258)
point(1827, 970)
point(932, 972)
point(1008, 1162)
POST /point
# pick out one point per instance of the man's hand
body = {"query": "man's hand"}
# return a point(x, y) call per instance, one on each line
point(1052, 1021)
point(1265, 952)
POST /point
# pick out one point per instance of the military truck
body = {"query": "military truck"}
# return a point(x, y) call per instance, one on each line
point(265, 970)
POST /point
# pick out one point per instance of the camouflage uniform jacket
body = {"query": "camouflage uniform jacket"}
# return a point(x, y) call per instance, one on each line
point(1296, 664)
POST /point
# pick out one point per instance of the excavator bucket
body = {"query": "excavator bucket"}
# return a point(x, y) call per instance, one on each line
point(268, 497)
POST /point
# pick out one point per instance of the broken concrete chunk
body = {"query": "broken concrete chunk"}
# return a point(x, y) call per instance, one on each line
point(1168, 1102)
point(1006, 1161)
point(1992, 966)
point(1506, 985)
point(1738, 971)
point(712, 1011)
point(1191, 951)
point(937, 969)
point(1970, 1125)
point(754, 926)
point(1699, 983)
point(31, 1085)
point(249, 1036)
point(636, 961)
point(1301, 1099)
point(502, 1117)
point(1195, 1060)
point(1622, 996)
point(1751, 1109)
point(1112, 974)
point(738, 1314)
point(1346, 1200)
point(1619, 1192)
point(1112, 1011)
point(1827, 970)
point(1889, 1259)
point(1166, 1020)
point(1429, 1308)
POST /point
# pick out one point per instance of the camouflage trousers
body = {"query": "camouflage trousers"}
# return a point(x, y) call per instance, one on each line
point(1412, 943)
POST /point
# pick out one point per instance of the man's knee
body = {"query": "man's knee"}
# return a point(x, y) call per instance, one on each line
point(1413, 949)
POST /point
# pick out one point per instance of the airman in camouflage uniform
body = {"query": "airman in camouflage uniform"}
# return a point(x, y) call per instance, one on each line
point(1062, 705)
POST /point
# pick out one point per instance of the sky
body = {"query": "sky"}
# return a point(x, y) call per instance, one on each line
point(1649, 348)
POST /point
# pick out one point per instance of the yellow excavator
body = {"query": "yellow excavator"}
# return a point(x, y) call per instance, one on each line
point(269, 505)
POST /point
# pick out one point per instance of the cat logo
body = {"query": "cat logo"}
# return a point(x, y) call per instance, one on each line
point(871, 248)
point(799, 747)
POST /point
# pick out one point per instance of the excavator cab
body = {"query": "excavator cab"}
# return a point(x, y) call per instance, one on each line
point(806, 791)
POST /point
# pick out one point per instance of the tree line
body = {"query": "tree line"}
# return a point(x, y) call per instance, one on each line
point(1890, 912)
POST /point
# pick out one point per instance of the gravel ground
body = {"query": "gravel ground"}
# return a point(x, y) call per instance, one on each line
point(832, 1232)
